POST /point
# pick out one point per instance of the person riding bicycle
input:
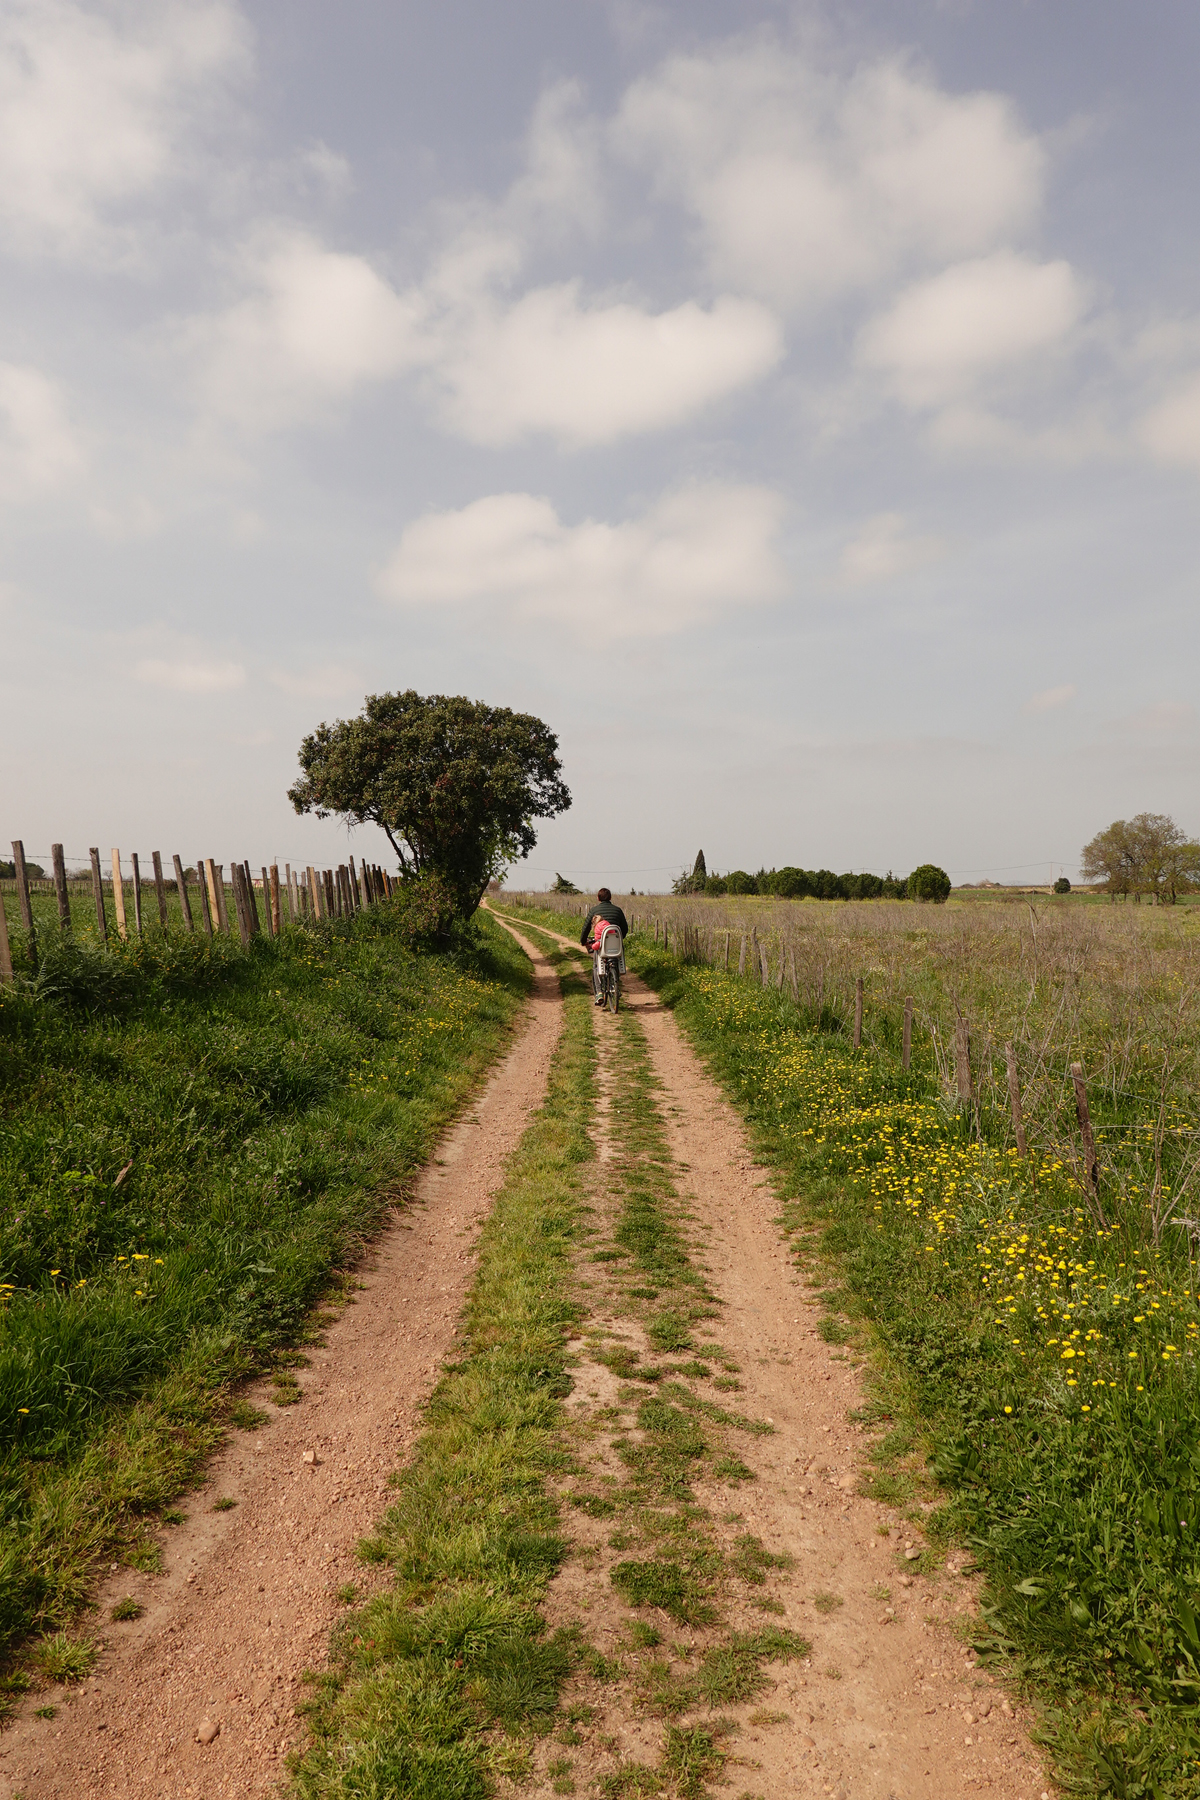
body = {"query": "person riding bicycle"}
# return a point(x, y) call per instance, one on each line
point(602, 914)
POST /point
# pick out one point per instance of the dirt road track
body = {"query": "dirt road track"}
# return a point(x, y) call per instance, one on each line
point(248, 1596)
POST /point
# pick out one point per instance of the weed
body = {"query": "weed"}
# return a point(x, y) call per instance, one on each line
point(245, 1416)
point(834, 1331)
point(66, 1659)
point(128, 1608)
point(46, 1712)
point(665, 1584)
point(695, 1754)
point(224, 1504)
point(145, 1555)
point(643, 1636)
point(173, 1516)
point(347, 1594)
point(827, 1603)
point(880, 1591)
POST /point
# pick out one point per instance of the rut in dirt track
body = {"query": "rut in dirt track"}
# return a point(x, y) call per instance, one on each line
point(249, 1595)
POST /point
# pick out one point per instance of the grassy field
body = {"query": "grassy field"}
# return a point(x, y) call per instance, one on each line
point(1036, 1352)
point(193, 1141)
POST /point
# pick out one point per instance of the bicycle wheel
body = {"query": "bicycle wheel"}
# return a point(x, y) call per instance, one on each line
point(614, 990)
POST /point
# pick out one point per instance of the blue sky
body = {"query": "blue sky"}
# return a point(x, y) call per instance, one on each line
point(797, 407)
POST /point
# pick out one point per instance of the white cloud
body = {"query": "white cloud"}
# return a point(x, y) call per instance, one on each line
point(317, 324)
point(885, 548)
point(39, 450)
point(1050, 699)
point(95, 103)
point(1171, 429)
point(1169, 719)
point(941, 335)
point(806, 185)
point(329, 681)
point(589, 375)
point(697, 551)
point(190, 677)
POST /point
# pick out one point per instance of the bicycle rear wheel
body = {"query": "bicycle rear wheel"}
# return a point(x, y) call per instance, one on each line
point(614, 990)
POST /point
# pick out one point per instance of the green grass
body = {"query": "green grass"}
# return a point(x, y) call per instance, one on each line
point(1046, 1368)
point(435, 1681)
point(272, 1106)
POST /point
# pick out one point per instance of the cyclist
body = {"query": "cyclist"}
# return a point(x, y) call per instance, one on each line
point(603, 913)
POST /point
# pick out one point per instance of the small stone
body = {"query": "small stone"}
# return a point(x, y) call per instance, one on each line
point(911, 1555)
point(808, 1742)
point(983, 1707)
point(207, 1730)
point(968, 1718)
point(968, 1740)
point(906, 1581)
point(312, 1459)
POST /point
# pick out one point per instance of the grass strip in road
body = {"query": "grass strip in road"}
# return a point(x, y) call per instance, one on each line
point(666, 1554)
point(193, 1140)
point(1045, 1370)
point(435, 1683)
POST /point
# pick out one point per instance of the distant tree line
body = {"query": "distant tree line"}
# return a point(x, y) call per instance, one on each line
point(1148, 854)
point(926, 883)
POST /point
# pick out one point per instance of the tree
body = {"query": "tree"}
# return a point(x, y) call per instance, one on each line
point(1062, 885)
point(693, 883)
point(562, 885)
point(1147, 854)
point(454, 784)
point(929, 883)
point(740, 883)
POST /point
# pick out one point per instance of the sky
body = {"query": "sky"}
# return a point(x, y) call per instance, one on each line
point(796, 406)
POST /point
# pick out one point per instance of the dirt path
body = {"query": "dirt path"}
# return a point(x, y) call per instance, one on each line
point(889, 1706)
point(249, 1594)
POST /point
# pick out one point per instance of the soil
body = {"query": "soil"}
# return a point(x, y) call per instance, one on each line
point(248, 1595)
point(888, 1706)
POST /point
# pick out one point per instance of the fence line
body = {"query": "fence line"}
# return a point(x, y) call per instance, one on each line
point(306, 899)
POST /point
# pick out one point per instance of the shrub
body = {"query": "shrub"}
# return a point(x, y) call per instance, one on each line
point(740, 883)
point(929, 883)
point(1062, 885)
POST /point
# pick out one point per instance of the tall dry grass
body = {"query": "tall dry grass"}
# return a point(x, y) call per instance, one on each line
point(1113, 987)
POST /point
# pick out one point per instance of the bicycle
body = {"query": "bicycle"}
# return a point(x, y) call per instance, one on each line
point(608, 981)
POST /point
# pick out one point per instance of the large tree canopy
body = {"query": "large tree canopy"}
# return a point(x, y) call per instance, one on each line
point(455, 784)
point(1147, 854)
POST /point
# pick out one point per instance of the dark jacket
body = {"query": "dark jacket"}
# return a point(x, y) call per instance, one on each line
point(604, 909)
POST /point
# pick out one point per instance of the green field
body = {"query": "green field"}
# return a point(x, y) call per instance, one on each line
point(1035, 1349)
point(193, 1141)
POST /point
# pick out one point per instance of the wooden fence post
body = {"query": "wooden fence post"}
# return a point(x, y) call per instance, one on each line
point(288, 879)
point(782, 969)
point(185, 904)
point(275, 909)
point(962, 1058)
point(206, 903)
point(330, 896)
point(858, 1009)
point(314, 902)
point(241, 903)
point(742, 956)
point(222, 898)
point(1091, 1162)
point(213, 908)
point(252, 919)
point(60, 886)
point(160, 892)
point(6, 968)
point(137, 893)
point(354, 888)
point(23, 900)
point(906, 1052)
point(98, 895)
point(1014, 1097)
point(765, 960)
point(725, 964)
point(119, 894)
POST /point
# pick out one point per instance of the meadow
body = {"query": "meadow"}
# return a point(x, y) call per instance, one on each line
point(1034, 1340)
point(195, 1142)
